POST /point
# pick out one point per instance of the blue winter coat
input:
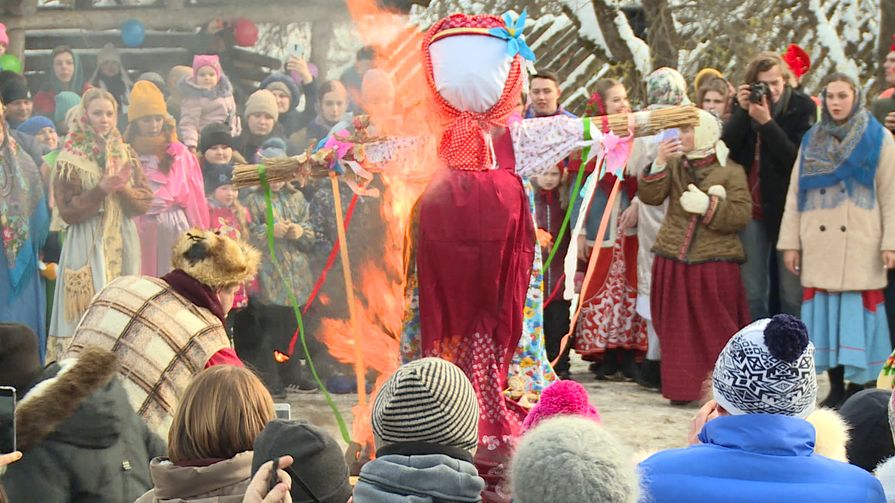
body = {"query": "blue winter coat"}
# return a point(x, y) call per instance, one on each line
point(756, 457)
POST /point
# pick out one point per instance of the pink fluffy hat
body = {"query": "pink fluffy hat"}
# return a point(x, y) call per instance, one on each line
point(561, 398)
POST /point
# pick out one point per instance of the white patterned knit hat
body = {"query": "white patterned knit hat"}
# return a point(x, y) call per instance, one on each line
point(767, 368)
point(429, 400)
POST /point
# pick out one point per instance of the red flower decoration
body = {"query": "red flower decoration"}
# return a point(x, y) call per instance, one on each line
point(797, 60)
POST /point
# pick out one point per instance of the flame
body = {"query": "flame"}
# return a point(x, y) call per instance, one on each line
point(379, 283)
point(280, 356)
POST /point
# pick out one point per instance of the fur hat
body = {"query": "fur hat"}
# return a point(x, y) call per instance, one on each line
point(561, 398)
point(262, 101)
point(572, 459)
point(429, 400)
point(146, 100)
point(19, 360)
point(215, 260)
point(319, 464)
point(212, 60)
point(767, 368)
point(867, 414)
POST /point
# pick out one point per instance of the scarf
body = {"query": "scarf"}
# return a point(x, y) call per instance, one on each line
point(199, 294)
point(840, 153)
point(21, 198)
point(116, 85)
point(88, 153)
point(465, 143)
point(75, 85)
point(707, 139)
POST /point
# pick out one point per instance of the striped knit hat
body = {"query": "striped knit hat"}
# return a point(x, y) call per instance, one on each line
point(428, 400)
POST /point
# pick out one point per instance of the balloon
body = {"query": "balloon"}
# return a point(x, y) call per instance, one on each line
point(133, 33)
point(10, 62)
point(245, 33)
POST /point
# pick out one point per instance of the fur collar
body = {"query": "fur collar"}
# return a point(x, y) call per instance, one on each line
point(56, 398)
point(885, 473)
point(831, 434)
point(189, 89)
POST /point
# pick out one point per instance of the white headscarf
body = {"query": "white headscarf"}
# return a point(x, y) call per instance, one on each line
point(707, 139)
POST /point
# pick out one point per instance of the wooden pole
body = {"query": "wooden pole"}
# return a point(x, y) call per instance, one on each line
point(360, 369)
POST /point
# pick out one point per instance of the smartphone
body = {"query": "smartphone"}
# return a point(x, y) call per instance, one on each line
point(7, 419)
point(297, 50)
point(669, 134)
point(283, 411)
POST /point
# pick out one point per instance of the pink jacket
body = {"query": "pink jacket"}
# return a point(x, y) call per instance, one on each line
point(182, 186)
point(200, 107)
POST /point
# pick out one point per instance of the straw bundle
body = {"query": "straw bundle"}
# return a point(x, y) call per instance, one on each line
point(283, 169)
point(650, 122)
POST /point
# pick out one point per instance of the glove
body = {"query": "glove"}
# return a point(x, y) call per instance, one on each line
point(694, 200)
point(718, 191)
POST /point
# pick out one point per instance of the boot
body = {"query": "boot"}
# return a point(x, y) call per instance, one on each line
point(650, 375)
point(837, 388)
point(609, 367)
point(629, 366)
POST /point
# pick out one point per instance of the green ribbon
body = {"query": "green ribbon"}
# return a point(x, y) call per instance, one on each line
point(576, 189)
point(293, 300)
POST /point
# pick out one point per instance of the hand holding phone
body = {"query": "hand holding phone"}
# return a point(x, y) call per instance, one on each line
point(669, 134)
point(7, 420)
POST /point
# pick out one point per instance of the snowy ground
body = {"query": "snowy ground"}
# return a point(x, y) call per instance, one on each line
point(641, 418)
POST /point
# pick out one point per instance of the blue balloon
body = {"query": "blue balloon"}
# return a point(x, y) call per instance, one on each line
point(133, 33)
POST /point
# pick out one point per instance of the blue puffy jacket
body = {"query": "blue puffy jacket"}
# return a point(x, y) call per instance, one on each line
point(755, 457)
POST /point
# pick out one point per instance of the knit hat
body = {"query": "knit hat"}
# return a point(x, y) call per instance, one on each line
point(867, 413)
point(283, 83)
point(215, 260)
point(108, 54)
point(214, 134)
point(264, 101)
point(561, 398)
point(35, 124)
point(212, 60)
point(571, 459)
point(65, 101)
point(14, 90)
point(319, 466)
point(767, 368)
point(19, 359)
point(4, 37)
point(146, 100)
point(272, 148)
point(429, 400)
point(156, 79)
point(216, 175)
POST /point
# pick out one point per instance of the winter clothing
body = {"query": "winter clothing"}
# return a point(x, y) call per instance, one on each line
point(767, 368)
point(867, 414)
point(755, 457)
point(439, 399)
point(44, 101)
point(4, 37)
point(421, 472)
point(215, 134)
point(19, 359)
point(293, 120)
point(14, 90)
point(562, 398)
point(119, 85)
point(200, 107)
point(156, 79)
point(885, 472)
point(35, 125)
point(832, 434)
point(146, 100)
point(179, 315)
point(262, 101)
point(65, 101)
point(82, 442)
point(223, 481)
point(319, 461)
point(572, 459)
point(212, 61)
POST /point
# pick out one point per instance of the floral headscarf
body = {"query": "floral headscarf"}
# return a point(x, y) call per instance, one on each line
point(667, 87)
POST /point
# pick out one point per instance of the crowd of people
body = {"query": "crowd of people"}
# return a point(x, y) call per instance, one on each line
point(145, 317)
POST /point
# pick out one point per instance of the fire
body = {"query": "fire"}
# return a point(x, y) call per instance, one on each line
point(280, 356)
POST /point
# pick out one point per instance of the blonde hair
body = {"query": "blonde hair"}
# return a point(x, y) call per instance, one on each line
point(219, 415)
point(95, 93)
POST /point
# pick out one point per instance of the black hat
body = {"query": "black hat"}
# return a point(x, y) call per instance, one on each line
point(216, 175)
point(14, 90)
point(19, 359)
point(319, 466)
point(214, 134)
point(867, 412)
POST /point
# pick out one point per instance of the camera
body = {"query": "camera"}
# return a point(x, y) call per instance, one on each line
point(757, 91)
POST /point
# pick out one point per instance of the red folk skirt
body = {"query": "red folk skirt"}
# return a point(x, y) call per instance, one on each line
point(609, 318)
point(696, 309)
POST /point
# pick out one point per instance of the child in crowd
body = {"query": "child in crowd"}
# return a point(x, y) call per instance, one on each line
point(43, 130)
point(550, 203)
point(207, 98)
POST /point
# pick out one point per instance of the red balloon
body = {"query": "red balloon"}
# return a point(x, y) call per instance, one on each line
point(245, 33)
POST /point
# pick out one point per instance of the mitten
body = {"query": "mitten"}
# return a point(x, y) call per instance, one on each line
point(694, 200)
point(718, 191)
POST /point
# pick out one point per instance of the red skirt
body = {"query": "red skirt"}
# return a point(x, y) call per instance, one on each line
point(696, 309)
point(609, 318)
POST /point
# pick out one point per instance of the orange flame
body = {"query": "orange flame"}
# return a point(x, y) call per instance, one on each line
point(280, 356)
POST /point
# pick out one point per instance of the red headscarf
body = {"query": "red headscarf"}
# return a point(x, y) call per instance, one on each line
point(464, 145)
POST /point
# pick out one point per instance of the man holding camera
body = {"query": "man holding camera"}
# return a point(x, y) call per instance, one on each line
point(763, 134)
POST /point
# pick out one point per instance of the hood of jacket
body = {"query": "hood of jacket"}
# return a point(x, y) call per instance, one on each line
point(773, 434)
point(76, 402)
point(173, 483)
point(189, 89)
point(288, 82)
point(425, 478)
